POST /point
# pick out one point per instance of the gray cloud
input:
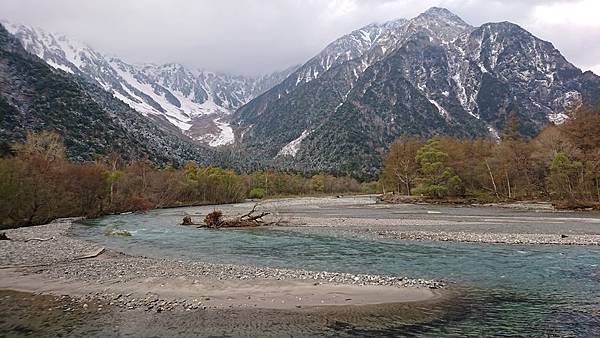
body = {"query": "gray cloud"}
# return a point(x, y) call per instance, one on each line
point(257, 36)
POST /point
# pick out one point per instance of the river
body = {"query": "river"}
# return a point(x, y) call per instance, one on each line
point(507, 290)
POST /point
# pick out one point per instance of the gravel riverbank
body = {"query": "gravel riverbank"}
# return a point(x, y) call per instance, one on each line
point(447, 232)
point(360, 216)
point(45, 259)
point(492, 238)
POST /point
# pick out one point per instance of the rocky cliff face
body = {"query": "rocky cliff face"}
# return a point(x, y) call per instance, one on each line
point(430, 75)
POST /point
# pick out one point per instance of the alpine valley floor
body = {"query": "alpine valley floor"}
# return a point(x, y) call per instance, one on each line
point(335, 268)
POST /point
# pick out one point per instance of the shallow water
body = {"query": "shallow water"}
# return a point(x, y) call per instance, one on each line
point(543, 290)
point(27, 315)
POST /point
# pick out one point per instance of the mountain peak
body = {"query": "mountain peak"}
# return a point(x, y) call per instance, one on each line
point(505, 25)
point(444, 14)
point(440, 11)
point(441, 23)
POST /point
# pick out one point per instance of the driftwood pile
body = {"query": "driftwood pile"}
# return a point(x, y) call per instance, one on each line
point(187, 220)
point(216, 220)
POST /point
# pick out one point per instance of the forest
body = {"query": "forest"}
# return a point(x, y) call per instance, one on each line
point(561, 164)
point(39, 184)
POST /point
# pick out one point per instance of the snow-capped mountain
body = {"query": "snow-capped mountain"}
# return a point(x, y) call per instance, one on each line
point(430, 75)
point(370, 44)
point(91, 122)
point(433, 74)
point(199, 103)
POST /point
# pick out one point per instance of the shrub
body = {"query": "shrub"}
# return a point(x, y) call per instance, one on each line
point(257, 193)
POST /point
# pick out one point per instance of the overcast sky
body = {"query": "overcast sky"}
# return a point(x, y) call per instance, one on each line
point(257, 36)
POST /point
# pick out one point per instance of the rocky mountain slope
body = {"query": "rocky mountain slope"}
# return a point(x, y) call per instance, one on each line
point(430, 75)
point(35, 96)
point(199, 103)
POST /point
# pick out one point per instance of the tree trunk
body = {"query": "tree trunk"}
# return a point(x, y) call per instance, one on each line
point(112, 192)
point(112, 180)
point(598, 188)
point(33, 212)
point(493, 180)
point(508, 185)
point(144, 183)
point(266, 184)
point(528, 188)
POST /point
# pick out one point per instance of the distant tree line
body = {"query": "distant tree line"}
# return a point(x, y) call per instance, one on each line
point(38, 184)
point(561, 164)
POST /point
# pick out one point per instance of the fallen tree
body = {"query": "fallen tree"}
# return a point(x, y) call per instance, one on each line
point(3, 237)
point(217, 220)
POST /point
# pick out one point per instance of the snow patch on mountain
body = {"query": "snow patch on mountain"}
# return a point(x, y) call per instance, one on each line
point(494, 133)
point(291, 149)
point(176, 116)
point(225, 137)
point(441, 109)
point(558, 118)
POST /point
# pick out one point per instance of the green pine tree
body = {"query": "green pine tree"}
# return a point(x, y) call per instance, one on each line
point(437, 180)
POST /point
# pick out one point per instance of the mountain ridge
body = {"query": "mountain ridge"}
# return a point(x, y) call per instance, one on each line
point(35, 97)
point(431, 75)
point(197, 102)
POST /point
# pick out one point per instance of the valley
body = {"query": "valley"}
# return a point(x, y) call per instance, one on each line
point(339, 169)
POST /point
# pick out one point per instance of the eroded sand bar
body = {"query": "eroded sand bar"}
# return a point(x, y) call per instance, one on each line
point(55, 267)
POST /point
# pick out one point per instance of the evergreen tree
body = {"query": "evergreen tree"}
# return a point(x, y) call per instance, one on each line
point(512, 128)
point(563, 175)
point(437, 180)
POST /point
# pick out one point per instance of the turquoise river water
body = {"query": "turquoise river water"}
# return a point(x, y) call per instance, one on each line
point(541, 290)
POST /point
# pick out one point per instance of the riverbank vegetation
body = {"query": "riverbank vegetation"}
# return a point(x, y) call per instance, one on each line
point(38, 184)
point(561, 164)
